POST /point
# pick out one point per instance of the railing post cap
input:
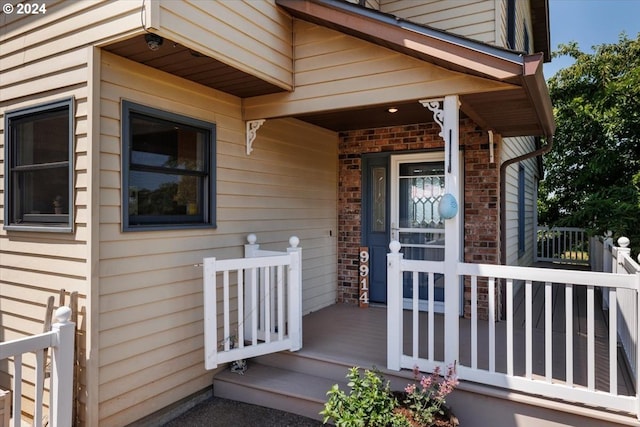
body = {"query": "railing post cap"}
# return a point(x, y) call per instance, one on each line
point(252, 239)
point(63, 314)
point(294, 241)
point(395, 246)
point(623, 242)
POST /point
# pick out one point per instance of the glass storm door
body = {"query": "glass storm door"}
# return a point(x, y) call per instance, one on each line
point(416, 189)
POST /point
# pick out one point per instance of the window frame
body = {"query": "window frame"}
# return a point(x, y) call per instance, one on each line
point(10, 223)
point(209, 204)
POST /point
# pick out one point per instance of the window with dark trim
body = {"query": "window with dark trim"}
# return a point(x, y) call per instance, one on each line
point(511, 24)
point(168, 170)
point(521, 210)
point(39, 168)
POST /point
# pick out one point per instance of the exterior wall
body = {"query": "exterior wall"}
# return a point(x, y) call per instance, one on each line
point(523, 19)
point(46, 58)
point(513, 147)
point(150, 313)
point(252, 36)
point(481, 194)
point(469, 18)
point(337, 71)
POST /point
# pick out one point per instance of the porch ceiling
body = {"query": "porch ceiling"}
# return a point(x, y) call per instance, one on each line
point(523, 109)
point(183, 62)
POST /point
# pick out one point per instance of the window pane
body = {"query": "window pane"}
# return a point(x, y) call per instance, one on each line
point(41, 191)
point(164, 194)
point(165, 144)
point(41, 138)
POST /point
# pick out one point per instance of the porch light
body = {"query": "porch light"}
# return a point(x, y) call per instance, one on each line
point(392, 110)
point(448, 207)
point(154, 41)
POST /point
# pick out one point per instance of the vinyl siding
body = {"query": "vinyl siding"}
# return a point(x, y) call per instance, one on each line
point(334, 71)
point(45, 58)
point(513, 147)
point(150, 299)
point(252, 36)
point(475, 19)
point(523, 19)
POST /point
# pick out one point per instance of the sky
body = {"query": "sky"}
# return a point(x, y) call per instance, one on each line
point(589, 23)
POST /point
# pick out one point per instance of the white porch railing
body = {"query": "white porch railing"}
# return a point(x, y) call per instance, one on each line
point(562, 244)
point(61, 341)
point(260, 297)
point(609, 258)
point(527, 354)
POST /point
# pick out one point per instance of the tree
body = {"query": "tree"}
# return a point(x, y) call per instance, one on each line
point(592, 173)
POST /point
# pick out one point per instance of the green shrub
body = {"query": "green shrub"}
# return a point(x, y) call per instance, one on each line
point(370, 403)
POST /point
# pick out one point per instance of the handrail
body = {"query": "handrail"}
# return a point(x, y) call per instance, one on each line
point(543, 308)
point(61, 341)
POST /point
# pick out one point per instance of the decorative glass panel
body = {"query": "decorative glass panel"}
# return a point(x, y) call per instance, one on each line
point(379, 180)
point(421, 187)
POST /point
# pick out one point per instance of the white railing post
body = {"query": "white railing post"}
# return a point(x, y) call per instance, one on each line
point(62, 369)
point(252, 247)
point(623, 249)
point(394, 306)
point(251, 282)
point(295, 294)
point(637, 358)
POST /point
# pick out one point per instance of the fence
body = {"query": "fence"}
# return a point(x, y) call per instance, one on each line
point(261, 300)
point(550, 343)
point(61, 341)
point(568, 245)
point(609, 258)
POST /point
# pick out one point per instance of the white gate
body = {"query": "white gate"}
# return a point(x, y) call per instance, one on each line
point(260, 298)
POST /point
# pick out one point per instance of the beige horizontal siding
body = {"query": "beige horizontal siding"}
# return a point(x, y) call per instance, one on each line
point(36, 265)
point(475, 19)
point(252, 36)
point(335, 71)
point(150, 302)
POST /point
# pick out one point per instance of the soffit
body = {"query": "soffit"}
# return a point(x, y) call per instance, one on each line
point(183, 62)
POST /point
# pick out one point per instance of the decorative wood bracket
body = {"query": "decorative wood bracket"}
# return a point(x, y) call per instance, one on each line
point(438, 113)
point(252, 130)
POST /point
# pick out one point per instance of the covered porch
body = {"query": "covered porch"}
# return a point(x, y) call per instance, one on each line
point(555, 357)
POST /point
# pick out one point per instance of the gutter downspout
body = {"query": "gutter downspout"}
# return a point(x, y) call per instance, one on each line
point(503, 203)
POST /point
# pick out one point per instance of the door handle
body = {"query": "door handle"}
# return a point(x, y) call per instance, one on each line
point(394, 231)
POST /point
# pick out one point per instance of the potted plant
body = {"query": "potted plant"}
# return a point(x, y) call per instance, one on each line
point(370, 402)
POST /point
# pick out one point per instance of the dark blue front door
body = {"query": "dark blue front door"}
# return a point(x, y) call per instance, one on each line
point(400, 198)
point(375, 222)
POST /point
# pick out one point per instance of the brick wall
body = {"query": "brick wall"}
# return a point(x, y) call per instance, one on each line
point(481, 232)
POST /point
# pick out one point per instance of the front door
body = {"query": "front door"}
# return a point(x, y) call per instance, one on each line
point(400, 201)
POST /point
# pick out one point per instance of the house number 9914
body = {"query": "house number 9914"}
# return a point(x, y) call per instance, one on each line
point(364, 277)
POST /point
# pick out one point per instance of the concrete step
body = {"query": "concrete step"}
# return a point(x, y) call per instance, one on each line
point(273, 387)
point(292, 382)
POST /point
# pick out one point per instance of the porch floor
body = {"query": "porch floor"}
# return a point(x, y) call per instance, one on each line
point(357, 336)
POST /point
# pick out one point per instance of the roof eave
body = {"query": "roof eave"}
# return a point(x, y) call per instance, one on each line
point(440, 47)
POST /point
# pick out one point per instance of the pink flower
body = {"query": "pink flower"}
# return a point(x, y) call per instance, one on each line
point(410, 388)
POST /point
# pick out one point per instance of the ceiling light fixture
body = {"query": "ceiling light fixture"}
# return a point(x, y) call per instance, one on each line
point(154, 41)
point(392, 110)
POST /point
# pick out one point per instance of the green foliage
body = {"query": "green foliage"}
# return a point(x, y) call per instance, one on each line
point(592, 174)
point(369, 403)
